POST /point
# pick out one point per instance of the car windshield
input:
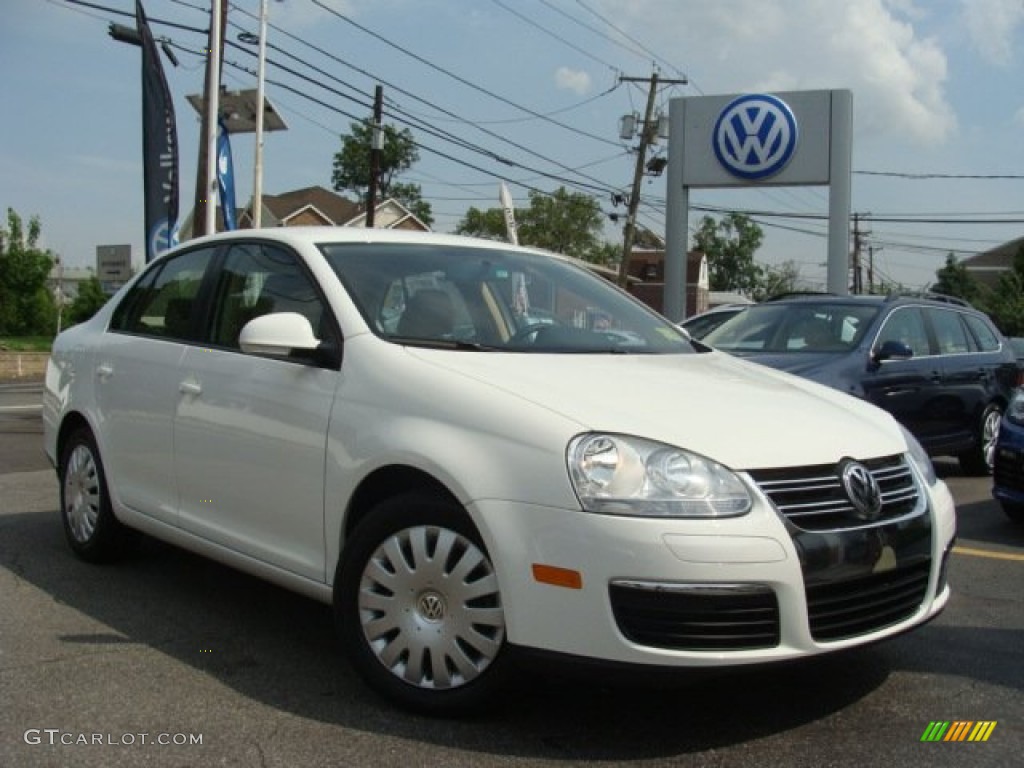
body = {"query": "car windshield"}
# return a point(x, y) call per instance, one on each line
point(462, 297)
point(794, 328)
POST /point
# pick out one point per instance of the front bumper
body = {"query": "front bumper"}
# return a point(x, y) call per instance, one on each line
point(1008, 471)
point(702, 593)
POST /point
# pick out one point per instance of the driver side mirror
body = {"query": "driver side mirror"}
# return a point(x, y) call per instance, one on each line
point(891, 350)
point(277, 334)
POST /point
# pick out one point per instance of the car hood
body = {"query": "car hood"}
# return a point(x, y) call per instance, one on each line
point(740, 414)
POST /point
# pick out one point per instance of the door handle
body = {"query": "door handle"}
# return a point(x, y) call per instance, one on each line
point(190, 388)
point(104, 371)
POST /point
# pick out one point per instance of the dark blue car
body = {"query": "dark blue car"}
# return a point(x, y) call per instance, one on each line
point(939, 366)
point(1008, 473)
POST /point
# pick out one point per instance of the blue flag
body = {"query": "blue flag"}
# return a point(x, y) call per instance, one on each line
point(226, 177)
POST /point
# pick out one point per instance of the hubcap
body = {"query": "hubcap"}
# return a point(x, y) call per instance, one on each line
point(989, 436)
point(430, 609)
point(81, 494)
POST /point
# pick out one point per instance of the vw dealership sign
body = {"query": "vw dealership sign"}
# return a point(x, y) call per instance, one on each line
point(755, 136)
point(796, 138)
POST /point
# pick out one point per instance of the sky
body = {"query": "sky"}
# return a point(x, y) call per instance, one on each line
point(531, 92)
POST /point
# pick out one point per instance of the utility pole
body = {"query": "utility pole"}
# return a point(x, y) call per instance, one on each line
point(856, 255)
point(204, 213)
point(261, 76)
point(648, 132)
point(376, 147)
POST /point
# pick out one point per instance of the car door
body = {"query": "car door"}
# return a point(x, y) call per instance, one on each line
point(907, 387)
point(250, 431)
point(968, 373)
point(137, 382)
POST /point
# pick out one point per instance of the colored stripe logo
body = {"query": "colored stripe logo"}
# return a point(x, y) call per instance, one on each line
point(958, 730)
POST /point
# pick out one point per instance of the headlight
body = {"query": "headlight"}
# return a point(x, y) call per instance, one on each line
point(1015, 410)
point(623, 475)
point(920, 457)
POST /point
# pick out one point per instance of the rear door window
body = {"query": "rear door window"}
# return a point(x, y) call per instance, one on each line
point(950, 332)
point(164, 305)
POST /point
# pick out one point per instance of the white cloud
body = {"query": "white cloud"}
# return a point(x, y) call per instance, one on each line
point(898, 77)
point(992, 25)
point(572, 80)
point(1018, 117)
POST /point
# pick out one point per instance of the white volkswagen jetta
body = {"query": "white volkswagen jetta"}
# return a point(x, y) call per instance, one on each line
point(471, 449)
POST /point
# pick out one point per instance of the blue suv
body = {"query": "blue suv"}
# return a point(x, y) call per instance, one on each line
point(937, 364)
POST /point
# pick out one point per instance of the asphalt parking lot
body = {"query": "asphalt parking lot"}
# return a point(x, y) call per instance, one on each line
point(170, 660)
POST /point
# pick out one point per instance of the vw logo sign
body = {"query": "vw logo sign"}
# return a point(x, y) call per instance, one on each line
point(755, 136)
point(862, 490)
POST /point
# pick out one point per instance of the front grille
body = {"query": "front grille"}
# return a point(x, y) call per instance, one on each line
point(813, 499)
point(1008, 470)
point(696, 617)
point(852, 607)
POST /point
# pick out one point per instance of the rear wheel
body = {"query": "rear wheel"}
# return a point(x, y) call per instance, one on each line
point(93, 532)
point(418, 607)
point(980, 459)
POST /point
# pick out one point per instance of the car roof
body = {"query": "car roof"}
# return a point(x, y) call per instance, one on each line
point(931, 299)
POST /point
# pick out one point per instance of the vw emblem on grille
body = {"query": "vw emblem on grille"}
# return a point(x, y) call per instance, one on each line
point(862, 490)
point(755, 136)
point(431, 606)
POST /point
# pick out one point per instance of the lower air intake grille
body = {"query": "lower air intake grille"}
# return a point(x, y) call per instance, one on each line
point(841, 609)
point(697, 617)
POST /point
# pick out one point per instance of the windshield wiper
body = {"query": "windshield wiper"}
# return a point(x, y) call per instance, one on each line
point(458, 344)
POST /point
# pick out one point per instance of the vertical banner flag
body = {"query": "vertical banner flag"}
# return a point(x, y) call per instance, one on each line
point(226, 177)
point(520, 296)
point(159, 146)
point(510, 213)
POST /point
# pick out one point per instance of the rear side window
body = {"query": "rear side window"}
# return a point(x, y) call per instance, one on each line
point(983, 334)
point(950, 332)
point(163, 305)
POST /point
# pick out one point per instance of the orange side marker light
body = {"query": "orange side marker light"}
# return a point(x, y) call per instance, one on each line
point(558, 577)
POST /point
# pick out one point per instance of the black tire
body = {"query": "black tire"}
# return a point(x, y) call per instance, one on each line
point(92, 531)
point(418, 608)
point(1013, 511)
point(978, 460)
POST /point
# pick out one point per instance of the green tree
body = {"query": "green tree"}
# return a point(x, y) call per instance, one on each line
point(27, 307)
point(563, 222)
point(953, 279)
point(730, 244)
point(785, 278)
point(399, 154)
point(88, 302)
point(489, 224)
point(1005, 304)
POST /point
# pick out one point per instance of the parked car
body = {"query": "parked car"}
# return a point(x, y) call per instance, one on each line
point(376, 419)
point(939, 366)
point(1008, 473)
point(700, 325)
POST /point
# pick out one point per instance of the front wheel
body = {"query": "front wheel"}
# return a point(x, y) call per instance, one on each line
point(980, 459)
point(418, 607)
point(92, 531)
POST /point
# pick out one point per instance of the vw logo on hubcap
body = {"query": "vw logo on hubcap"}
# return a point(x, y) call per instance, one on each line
point(862, 490)
point(431, 606)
